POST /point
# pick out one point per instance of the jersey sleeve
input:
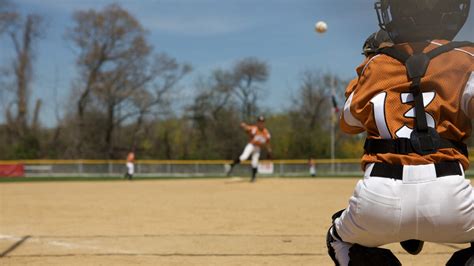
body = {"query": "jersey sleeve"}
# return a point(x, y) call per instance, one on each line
point(348, 122)
point(467, 99)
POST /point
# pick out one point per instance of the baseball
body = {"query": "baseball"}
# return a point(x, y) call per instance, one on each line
point(321, 27)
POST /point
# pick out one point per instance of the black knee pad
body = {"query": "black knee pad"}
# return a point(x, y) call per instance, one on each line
point(365, 256)
point(334, 217)
point(463, 257)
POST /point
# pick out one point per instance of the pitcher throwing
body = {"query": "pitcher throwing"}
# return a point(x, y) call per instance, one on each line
point(259, 137)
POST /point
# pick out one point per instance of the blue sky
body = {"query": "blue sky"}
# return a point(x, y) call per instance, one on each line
point(215, 33)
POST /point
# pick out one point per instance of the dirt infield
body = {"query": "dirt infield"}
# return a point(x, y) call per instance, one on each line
point(177, 222)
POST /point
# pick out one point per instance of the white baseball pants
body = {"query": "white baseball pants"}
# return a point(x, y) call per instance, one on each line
point(130, 168)
point(421, 206)
point(253, 150)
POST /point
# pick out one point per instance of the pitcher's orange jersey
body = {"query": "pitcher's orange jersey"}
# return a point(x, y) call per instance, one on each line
point(258, 137)
point(379, 102)
point(130, 157)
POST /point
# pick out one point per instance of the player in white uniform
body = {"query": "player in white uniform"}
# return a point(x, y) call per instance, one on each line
point(312, 167)
point(259, 137)
point(130, 164)
point(415, 101)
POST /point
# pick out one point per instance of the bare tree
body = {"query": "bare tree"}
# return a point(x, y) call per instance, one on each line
point(163, 76)
point(23, 36)
point(8, 16)
point(107, 42)
point(249, 73)
point(312, 101)
point(118, 72)
point(214, 115)
point(311, 113)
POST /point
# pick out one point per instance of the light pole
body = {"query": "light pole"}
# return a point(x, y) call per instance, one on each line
point(333, 128)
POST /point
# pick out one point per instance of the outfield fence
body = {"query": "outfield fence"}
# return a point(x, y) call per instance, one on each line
point(179, 168)
point(183, 168)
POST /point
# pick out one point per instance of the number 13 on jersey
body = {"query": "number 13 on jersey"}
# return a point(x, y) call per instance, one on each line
point(378, 103)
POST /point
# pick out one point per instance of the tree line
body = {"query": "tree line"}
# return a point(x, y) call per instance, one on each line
point(122, 99)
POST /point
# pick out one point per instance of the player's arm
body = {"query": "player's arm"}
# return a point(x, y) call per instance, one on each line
point(244, 126)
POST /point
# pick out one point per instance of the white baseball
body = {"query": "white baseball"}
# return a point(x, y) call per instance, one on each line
point(321, 27)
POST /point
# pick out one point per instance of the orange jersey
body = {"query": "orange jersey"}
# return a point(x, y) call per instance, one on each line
point(379, 102)
point(130, 157)
point(257, 137)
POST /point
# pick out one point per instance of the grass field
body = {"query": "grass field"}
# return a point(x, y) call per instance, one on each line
point(274, 221)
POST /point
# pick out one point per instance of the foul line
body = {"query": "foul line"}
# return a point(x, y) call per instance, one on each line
point(177, 255)
point(14, 246)
point(175, 235)
point(61, 244)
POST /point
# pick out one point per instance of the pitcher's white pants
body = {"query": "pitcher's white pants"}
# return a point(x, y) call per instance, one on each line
point(253, 150)
point(130, 168)
point(421, 206)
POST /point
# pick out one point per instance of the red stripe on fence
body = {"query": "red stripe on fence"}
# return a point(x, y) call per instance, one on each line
point(12, 170)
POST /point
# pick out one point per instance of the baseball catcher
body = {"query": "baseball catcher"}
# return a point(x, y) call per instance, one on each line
point(259, 137)
point(414, 99)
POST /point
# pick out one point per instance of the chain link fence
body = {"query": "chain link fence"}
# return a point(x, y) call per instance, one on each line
point(201, 168)
point(186, 169)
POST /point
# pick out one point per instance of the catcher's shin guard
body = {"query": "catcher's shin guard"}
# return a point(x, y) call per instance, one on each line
point(463, 257)
point(330, 240)
point(365, 256)
point(412, 246)
point(333, 242)
point(345, 254)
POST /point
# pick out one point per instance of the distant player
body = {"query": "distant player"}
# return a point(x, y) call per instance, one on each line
point(259, 137)
point(312, 167)
point(130, 165)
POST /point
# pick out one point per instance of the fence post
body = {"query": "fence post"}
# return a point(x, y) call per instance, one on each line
point(281, 169)
point(80, 168)
point(110, 167)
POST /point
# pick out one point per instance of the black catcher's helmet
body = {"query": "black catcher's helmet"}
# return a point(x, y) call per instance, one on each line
point(261, 118)
point(421, 20)
point(374, 41)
